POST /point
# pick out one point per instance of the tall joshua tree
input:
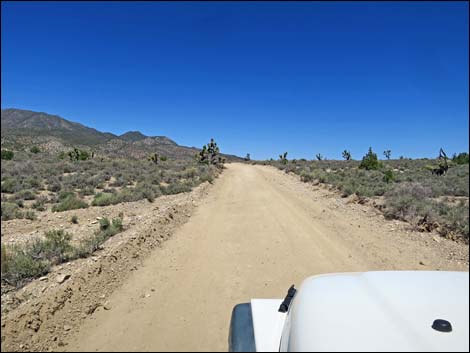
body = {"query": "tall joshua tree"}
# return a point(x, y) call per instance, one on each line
point(154, 158)
point(210, 153)
point(387, 154)
point(283, 158)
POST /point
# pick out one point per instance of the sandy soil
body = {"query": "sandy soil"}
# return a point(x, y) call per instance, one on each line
point(256, 232)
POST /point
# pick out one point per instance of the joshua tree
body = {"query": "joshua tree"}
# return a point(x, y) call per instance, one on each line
point(247, 158)
point(319, 157)
point(443, 166)
point(153, 158)
point(210, 154)
point(78, 155)
point(347, 155)
point(283, 158)
point(387, 154)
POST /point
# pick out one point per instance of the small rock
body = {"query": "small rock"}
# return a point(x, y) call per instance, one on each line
point(67, 328)
point(436, 239)
point(43, 278)
point(107, 306)
point(62, 278)
point(422, 263)
point(147, 295)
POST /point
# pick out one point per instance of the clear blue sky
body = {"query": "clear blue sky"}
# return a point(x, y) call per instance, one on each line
point(264, 78)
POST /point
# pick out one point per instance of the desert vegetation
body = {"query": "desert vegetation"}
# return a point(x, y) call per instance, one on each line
point(23, 262)
point(7, 154)
point(33, 183)
point(430, 194)
point(38, 182)
point(210, 155)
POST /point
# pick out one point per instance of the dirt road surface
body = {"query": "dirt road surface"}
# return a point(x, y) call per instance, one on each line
point(256, 233)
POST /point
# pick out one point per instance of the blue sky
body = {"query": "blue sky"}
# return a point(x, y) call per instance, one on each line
point(261, 78)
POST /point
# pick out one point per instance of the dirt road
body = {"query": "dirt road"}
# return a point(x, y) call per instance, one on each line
point(256, 233)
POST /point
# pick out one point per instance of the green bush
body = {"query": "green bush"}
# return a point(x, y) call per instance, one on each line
point(19, 266)
point(87, 191)
point(7, 155)
point(104, 223)
point(33, 182)
point(147, 191)
point(370, 161)
point(117, 223)
point(33, 259)
point(461, 158)
point(34, 149)
point(103, 199)
point(190, 173)
point(206, 176)
point(65, 194)
point(54, 185)
point(57, 246)
point(175, 188)
point(26, 195)
point(78, 155)
point(141, 191)
point(89, 245)
point(10, 211)
point(306, 176)
point(39, 204)
point(70, 202)
point(388, 176)
point(10, 186)
point(74, 219)
point(30, 215)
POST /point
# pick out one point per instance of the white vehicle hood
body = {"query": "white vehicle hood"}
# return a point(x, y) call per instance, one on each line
point(379, 311)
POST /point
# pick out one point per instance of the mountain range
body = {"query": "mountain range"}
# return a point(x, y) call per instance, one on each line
point(22, 129)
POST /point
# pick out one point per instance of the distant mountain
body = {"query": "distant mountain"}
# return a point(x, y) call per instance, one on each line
point(23, 128)
point(26, 122)
point(133, 136)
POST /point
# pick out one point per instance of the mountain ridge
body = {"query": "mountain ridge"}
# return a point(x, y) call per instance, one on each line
point(23, 128)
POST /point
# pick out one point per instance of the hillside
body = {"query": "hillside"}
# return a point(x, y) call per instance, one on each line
point(23, 128)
